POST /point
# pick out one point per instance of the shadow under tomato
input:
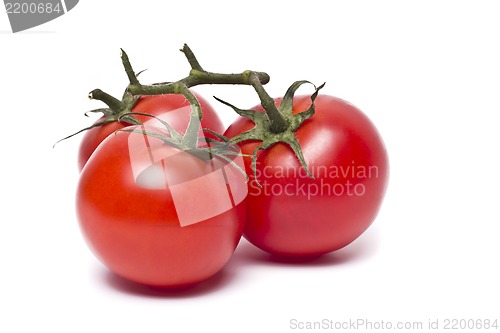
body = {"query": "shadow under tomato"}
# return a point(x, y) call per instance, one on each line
point(246, 256)
point(213, 284)
point(362, 248)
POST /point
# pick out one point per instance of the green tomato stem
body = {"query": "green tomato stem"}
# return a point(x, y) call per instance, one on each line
point(128, 68)
point(278, 122)
point(191, 134)
point(112, 102)
point(191, 58)
point(195, 78)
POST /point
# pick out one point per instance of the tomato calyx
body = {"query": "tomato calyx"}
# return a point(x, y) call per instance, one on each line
point(276, 124)
point(116, 111)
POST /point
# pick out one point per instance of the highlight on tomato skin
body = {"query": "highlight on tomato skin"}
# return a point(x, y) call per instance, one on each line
point(293, 215)
point(157, 215)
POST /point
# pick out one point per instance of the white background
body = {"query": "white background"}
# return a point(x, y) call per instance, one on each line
point(426, 72)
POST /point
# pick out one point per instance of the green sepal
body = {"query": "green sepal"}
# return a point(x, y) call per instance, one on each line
point(159, 136)
point(96, 124)
point(286, 106)
point(299, 118)
point(176, 136)
point(105, 111)
point(217, 135)
point(253, 115)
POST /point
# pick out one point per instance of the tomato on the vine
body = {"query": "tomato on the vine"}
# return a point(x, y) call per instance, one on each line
point(158, 215)
point(165, 203)
point(292, 214)
point(173, 108)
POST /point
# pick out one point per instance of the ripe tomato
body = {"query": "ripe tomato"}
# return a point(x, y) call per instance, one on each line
point(172, 108)
point(295, 215)
point(157, 215)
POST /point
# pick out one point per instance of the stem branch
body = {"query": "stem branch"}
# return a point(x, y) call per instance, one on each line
point(191, 58)
point(113, 103)
point(132, 77)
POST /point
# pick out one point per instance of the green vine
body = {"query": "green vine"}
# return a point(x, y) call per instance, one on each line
point(276, 124)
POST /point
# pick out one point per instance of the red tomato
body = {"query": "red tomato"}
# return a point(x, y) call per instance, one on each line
point(294, 215)
point(172, 108)
point(157, 215)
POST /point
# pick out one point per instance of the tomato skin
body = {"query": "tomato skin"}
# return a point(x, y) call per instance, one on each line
point(294, 215)
point(135, 229)
point(156, 105)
